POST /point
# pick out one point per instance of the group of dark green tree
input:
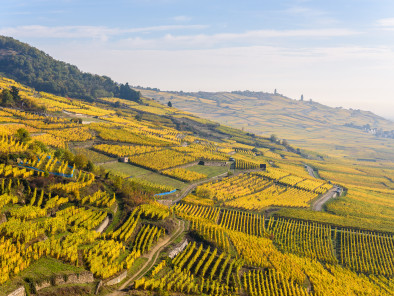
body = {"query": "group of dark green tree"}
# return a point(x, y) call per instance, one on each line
point(34, 68)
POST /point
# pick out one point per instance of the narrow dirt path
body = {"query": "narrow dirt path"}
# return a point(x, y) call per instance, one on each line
point(152, 258)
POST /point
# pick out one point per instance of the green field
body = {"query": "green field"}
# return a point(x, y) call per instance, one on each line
point(164, 180)
point(127, 170)
point(93, 156)
point(210, 171)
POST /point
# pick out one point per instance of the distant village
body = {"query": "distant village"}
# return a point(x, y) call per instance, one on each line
point(374, 131)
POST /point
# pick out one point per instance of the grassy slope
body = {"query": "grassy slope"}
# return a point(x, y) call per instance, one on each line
point(210, 171)
point(44, 268)
point(128, 170)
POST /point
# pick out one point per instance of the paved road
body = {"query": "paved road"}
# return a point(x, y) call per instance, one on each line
point(191, 187)
point(310, 171)
point(333, 192)
point(318, 205)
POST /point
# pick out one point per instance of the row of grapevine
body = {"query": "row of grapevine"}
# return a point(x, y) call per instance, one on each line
point(209, 213)
point(184, 174)
point(367, 252)
point(233, 187)
point(259, 283)
point(124, 150)
point(303, 238)
point(212, 233)
point(274, 195)
point(242, 221)
point(99, 199)
point(145, 238)
point(124, 232)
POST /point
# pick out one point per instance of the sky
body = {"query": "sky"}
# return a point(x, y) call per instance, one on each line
point(338, 52)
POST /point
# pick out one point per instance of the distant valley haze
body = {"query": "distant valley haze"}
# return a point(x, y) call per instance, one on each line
point(338, 53)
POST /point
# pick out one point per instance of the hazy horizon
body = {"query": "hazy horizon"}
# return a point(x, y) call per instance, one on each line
point(337, 53)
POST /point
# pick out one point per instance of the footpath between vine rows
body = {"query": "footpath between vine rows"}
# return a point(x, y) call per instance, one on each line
point(152, 257)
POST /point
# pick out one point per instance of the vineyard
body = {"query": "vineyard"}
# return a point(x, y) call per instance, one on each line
point(195, 209)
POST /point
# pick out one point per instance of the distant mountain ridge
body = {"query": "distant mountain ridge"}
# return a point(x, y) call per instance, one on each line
point(306, 124)
point(36, 69)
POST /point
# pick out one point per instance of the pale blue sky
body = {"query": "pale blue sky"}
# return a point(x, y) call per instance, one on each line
point(337, 52)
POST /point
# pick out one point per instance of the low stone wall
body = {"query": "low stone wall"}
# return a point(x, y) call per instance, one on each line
point(117, 280)
point(165, 202)
point(103, 225)
point(216, 163)
point(18, 292)
point(177, 250)
point(3, 218)
point(82, 278)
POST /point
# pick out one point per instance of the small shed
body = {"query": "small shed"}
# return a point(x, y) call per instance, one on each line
point(263, 166)
point(124, 159)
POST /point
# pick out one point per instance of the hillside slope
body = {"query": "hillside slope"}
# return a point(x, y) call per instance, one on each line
point(333, 131)
point(37, 69)
point(248, 218)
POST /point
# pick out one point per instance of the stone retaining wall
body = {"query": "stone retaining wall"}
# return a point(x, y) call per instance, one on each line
point(103, 225)
point(177, 250)
point(3, 218)
point(117, 280)
point(18, 292)
point(42, 285)
point(216, 163)
point(82, 278)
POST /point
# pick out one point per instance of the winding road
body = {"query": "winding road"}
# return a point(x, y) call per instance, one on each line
point(318, 205)
point(333, 192)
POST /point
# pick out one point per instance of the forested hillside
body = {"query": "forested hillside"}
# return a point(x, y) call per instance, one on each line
point(37, 69)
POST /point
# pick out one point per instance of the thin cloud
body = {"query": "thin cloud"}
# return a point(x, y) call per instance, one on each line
point(97, 32)
point(248, 38)
point(182, 18)
point(386, 23)
point(317, 15)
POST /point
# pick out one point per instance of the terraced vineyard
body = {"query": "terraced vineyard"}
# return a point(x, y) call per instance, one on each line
point(234, 211)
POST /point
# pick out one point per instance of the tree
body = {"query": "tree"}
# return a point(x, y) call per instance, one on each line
point(125, 92)
point(15, 92)
point(59, 153)
point(169, 104)
point(6, 98)
point(90, 166)
point(38, 146)
point(273, 138)
point(23, 135)
point(68, 156)
point(80, 161)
